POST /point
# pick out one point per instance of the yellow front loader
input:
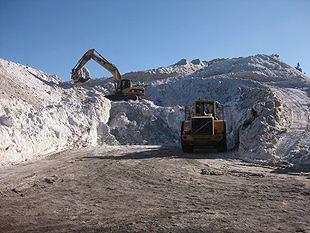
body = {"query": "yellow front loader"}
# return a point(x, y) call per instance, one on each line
point(203, 128)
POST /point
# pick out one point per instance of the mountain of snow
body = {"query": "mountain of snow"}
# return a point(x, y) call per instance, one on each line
point(266, 108)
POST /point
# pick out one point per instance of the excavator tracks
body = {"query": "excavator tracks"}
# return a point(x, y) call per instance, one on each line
point(122, 97)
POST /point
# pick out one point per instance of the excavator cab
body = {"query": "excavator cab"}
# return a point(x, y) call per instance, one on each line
point(125, 90)
point(122, 84)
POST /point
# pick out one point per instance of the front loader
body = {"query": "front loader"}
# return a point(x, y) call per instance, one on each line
point(203, 128)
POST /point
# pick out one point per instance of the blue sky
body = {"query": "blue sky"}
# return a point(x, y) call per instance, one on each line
point(53, 34)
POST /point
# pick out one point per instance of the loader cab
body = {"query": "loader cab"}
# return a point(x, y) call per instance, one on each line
point(204, 108)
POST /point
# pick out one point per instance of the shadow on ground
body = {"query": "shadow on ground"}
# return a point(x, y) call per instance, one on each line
point(295, 169)
point(176, 152)
point(165, 152)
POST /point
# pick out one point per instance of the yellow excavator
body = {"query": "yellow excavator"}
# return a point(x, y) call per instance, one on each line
point(203, 127)
point(124, 89)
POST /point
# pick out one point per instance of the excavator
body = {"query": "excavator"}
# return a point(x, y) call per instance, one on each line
point(203, 128)
point(124, 89)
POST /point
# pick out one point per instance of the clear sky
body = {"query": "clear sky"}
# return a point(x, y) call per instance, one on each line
point(138, 34)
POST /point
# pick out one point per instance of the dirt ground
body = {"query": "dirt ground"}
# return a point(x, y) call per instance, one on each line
point(152, 189)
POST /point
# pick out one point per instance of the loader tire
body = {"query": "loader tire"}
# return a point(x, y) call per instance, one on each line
point(222, 146)
point(187, 148)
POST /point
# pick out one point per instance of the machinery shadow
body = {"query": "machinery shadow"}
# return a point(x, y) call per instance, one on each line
point(66, 85)
point(165, 152)
point(49, 83)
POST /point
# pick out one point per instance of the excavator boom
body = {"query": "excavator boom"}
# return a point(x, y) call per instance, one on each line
point(96, 56)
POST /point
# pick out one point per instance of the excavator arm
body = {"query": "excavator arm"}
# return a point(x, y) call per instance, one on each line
point(97, 57)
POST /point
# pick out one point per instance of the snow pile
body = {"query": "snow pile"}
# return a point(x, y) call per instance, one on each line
point(266, 108)
point(37, 116)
